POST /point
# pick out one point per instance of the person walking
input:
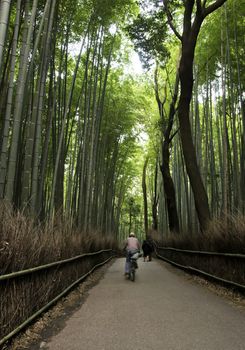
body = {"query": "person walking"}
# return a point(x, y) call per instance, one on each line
point(148, 248)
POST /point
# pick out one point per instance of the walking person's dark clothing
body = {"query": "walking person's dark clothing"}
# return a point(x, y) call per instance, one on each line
point(148, 248)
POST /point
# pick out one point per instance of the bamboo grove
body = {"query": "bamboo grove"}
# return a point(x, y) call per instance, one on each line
point(196, 169)
point(71, 118)
point(62, 136)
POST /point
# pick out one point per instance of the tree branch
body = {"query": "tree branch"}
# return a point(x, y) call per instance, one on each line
point(175, 133)
point(157, 95)
point(211, 8)
point(189, 4)
point(199, 7)
point(170, 19)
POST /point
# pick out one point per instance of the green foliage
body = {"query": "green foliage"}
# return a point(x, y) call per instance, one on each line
point(108, 11)
point(224, 27)
point(126, 119)
point(128, 112)
point(149, 32)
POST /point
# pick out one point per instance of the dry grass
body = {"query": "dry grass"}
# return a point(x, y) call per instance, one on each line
point(224, 235)
point(32, 337)
point(25, 244)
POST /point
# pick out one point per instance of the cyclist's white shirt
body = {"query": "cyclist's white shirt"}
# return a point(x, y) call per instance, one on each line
point(132, 243)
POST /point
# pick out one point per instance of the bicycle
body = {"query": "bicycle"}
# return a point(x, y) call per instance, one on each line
point(133, 265)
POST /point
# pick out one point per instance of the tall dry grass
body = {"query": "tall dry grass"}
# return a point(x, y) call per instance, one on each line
point(25, 244)
point(224, 235)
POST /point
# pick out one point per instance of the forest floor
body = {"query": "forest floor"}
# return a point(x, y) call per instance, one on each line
point(163, 309)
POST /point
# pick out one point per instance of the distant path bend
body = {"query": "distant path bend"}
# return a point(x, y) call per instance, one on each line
point(161, 310)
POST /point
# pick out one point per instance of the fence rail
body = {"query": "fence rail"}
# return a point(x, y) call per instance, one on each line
point(201, 252)
point(206, 263)
point(16, 286)
point(46, 266)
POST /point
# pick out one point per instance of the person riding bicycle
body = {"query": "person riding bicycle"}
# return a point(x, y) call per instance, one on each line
point(132, 246)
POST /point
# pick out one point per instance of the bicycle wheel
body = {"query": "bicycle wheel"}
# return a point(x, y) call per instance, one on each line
point(132, 274)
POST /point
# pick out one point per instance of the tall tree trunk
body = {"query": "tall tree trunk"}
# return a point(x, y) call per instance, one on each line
point(169, 189)
point(155, 199)
point(5, 135)
point(32, 152)
point(191, 27)
point(12, 165)
point(47, 35)
point(145, 196)
point(4, 19)
point(242, 109)
point(62, 131)
point(224, 129)
point(93, 131)
point(186, 80)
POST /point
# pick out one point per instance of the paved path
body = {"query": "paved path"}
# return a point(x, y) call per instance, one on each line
point(161, 310)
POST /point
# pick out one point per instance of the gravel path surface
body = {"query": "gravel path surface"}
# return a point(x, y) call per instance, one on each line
point(161, 310)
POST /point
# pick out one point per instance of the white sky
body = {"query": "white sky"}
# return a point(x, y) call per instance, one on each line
point(135, 66)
